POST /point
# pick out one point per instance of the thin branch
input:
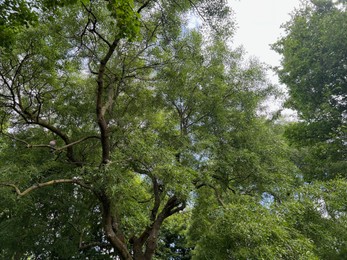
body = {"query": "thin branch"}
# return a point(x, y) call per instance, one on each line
point(197, 10)
point(77, 142)
point(219, 199)
point(156, 191)
point(94, 21)
point(86, 246)
point(143, 6)
point(28, 145)
point(17, 139)
point(74, 227)
point(91, 70)
point(44, 184)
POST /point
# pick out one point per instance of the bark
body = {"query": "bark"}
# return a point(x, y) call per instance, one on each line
point(148, 239)
point(111, 228)
point(144, 246)
point(102, 106)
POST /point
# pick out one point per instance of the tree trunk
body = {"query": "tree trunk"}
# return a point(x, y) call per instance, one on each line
point(149, 239)
point(111, 229)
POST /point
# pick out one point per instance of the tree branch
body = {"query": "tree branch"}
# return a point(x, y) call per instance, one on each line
point(100, 103)
point(143, 6)
point(197, 10)
point(28, 145)
point(217, 195)
point(111, 227)
point(156, 191)
point(86, 246)
point(44, 184)
point(94, 21)
point(77, 142)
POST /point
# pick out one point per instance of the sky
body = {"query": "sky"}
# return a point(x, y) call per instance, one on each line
point(259, 24)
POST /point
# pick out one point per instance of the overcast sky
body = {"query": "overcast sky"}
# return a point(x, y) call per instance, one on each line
point(259, 24)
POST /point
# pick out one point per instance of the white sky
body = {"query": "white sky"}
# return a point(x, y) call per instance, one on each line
point(259, 24)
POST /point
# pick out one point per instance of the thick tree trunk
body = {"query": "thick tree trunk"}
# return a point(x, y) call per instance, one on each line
point(147, 240)
point(144, 246)
point(111, 229)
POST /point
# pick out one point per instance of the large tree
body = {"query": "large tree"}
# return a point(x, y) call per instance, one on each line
point(80, 89)
point(113, 114)
point(128, 134)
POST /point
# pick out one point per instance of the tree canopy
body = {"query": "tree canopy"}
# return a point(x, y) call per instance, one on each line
point(128, 133)
point(314, 69)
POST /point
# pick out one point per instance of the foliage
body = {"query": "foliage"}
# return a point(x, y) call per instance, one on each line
point(127, 134)
point(245, 222)
point(93, 76)
point(247, 230)
point(320, 216)
point(173, 241)
point(313, 68)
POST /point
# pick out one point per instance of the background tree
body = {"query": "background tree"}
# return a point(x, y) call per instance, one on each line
point(314, 69)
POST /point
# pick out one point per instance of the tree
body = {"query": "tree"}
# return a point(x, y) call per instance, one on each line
point(317, 211)
point(127, 135)
point(313, 68)
point(94, 77)
point(247, 230)
point(245, 220)
point(16, 15)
